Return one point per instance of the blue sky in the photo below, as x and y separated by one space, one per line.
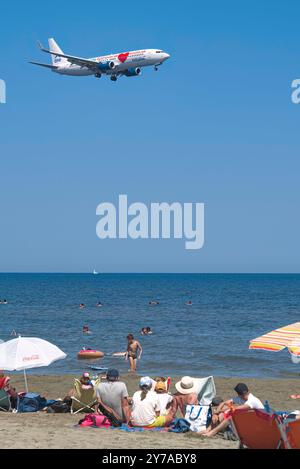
215 124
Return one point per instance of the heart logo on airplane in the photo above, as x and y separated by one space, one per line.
123 57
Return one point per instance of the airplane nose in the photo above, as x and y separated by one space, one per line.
167 56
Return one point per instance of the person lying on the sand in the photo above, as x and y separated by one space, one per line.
146 410
113 395
185 394
224 410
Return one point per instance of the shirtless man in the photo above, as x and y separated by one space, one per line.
133 346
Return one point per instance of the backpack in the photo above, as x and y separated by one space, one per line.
59 407
94 420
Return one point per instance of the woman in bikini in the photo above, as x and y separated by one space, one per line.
133 346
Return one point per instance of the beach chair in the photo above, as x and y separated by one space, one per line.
4 401
83 400
257 429
292 434
205 389
199 416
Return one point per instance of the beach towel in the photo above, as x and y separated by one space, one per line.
129 429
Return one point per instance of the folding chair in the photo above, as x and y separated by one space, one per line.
292 433
83 400
205 389
5 404
257 429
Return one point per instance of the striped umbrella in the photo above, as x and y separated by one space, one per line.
279 339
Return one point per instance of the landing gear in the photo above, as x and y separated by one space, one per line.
155 68
98 75
113 78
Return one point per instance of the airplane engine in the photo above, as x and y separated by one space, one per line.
103 66
133 72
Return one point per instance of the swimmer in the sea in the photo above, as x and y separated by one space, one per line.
86 330
82 305
189 303
154 302
148 331
99 304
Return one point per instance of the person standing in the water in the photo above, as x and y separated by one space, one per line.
134 351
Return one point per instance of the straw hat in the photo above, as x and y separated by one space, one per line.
186 385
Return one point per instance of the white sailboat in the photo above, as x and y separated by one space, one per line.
95 273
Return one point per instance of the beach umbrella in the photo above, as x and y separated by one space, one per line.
24 353
279 339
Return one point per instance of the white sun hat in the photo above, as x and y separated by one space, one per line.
186 385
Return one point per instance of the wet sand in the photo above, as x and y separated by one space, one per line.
42 430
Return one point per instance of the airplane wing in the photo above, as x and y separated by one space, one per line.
53 67
72 59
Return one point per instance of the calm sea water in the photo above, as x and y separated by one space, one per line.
209 337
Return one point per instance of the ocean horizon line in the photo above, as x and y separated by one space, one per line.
142 273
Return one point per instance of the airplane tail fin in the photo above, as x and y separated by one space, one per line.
53 47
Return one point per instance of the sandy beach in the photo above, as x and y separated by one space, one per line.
42 430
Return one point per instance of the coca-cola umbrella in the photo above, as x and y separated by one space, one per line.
24 353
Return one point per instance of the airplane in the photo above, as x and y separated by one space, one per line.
127 64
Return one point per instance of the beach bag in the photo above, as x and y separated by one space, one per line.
59 407
93 420
198 416
31 402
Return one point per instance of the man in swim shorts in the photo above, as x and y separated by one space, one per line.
133 346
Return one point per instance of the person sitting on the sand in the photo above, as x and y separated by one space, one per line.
164 398
85 380
224 410
11 392
146 407
4 380
113 395
186 394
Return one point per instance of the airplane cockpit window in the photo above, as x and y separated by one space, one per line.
159 51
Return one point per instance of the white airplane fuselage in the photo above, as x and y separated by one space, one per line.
122 62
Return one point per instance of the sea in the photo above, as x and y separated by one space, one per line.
209 337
